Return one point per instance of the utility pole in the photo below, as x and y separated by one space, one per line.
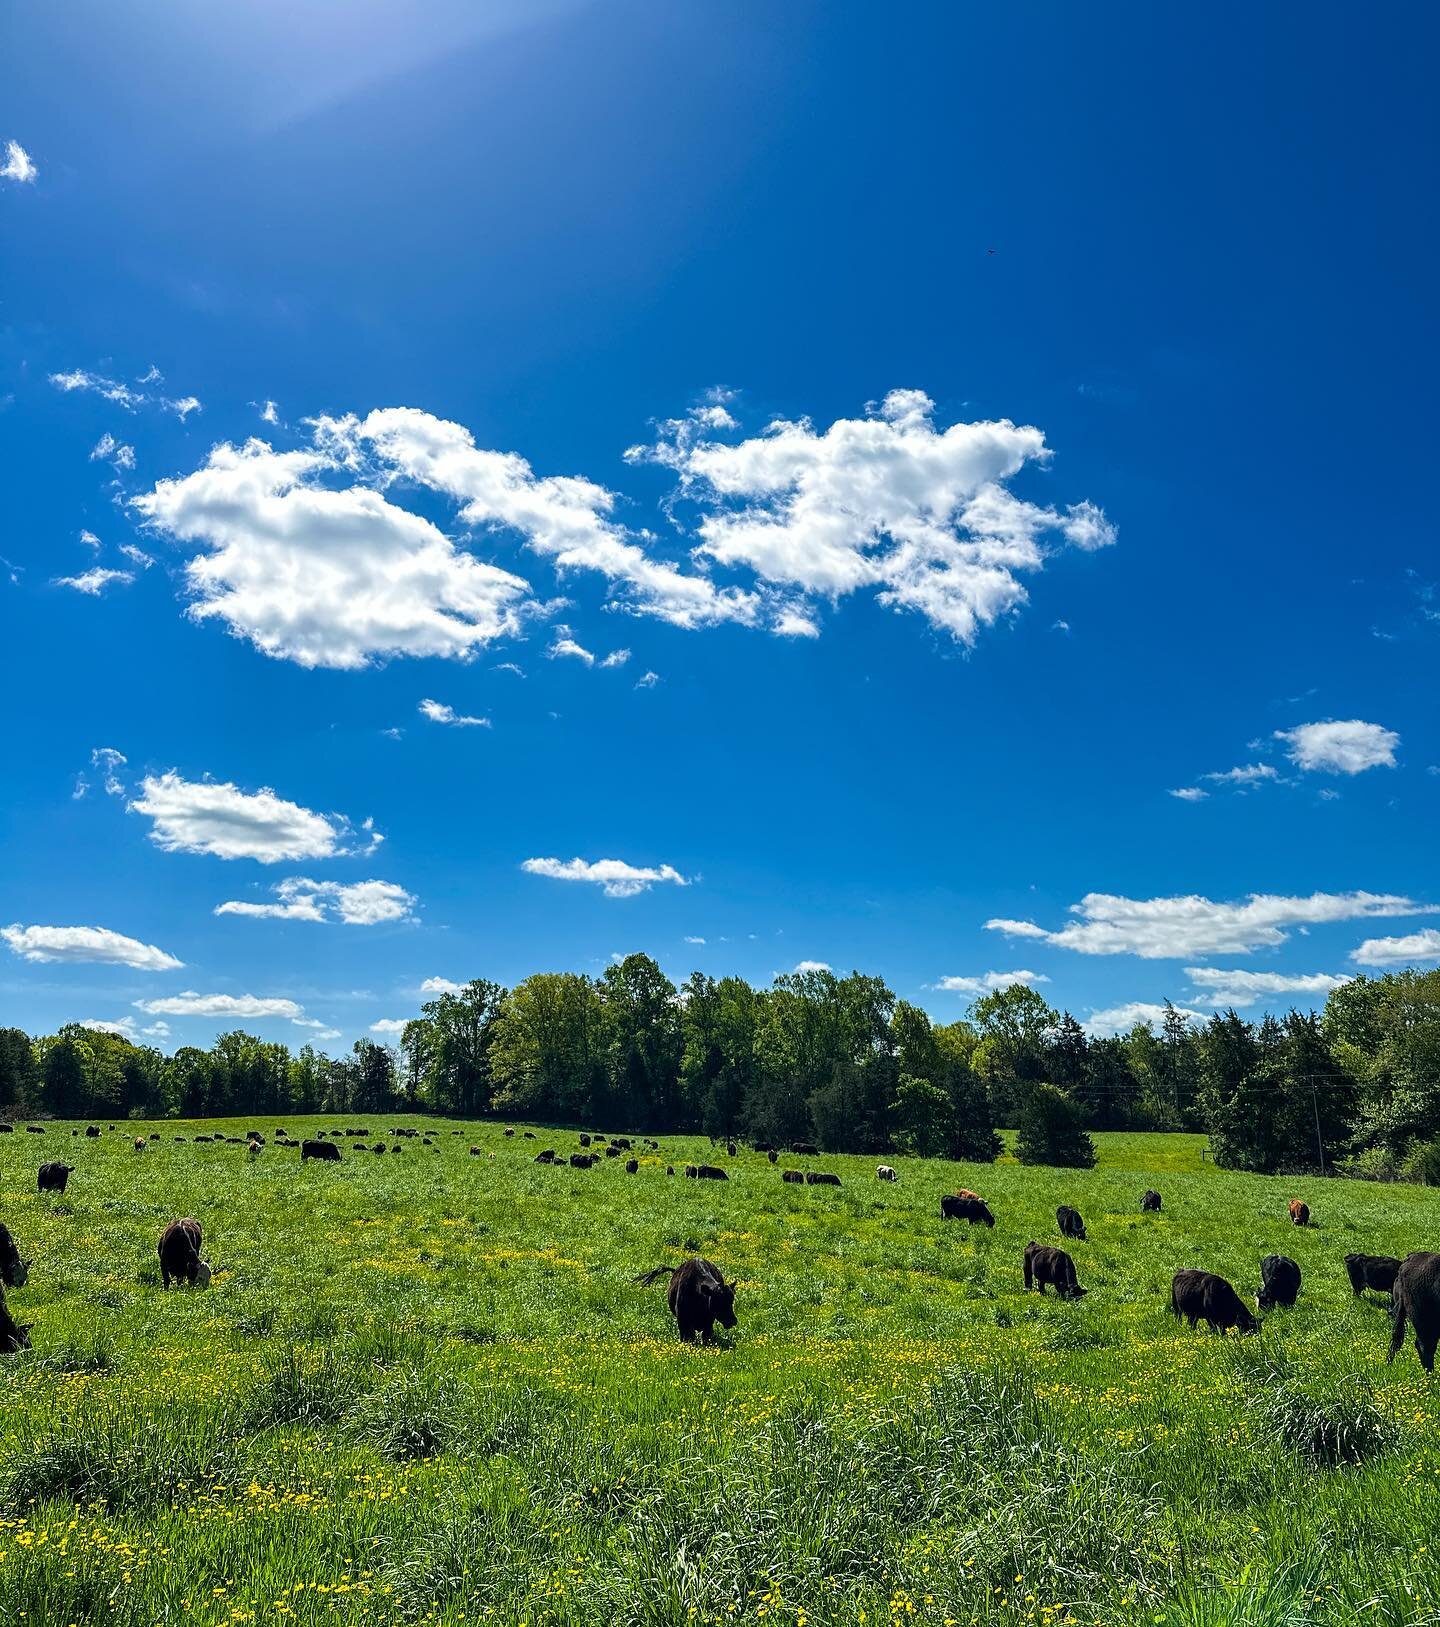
1319 1139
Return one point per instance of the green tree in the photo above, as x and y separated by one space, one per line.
1016 1027
718 1067
19 1071
1052 1130
446 1050
547 1048
643 1044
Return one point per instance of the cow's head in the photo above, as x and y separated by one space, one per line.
1076 1292
1245 1322
18 1338
20 1273
722 1301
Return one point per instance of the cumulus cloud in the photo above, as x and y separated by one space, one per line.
123 395
1246 776
439 712
1190 793
1120 1019
107 449
564 647
137 556
803 966
388 1025
647 680
127 1028
615 877
616 658
988 982
203 816
191 1004
1223 986
18 165
887 503
441 985
109 762
1416 946
353 903
1195 927
94 582
1340 748
87 943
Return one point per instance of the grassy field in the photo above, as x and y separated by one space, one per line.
425 1389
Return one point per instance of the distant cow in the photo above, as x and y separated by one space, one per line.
1375 1271
380 1148
35 1129
699 1297
764 1146
1299 1213
179 1251
139 1143
92 1129
708 1172
1150 1202
692 1171
1417 1297
546 1157
884 1172
730 1148
509 1132
632 1165
1070 1223
14 1272
13 1335
6 1129
582 1160
821 1177
794 1176
253 1148
319 1149
53 1177
1201 1296
1052 1267
965 1192
529 1135
622 1142
772 1155
1279 1282
975 1210
475 1152
803 1149
584 1139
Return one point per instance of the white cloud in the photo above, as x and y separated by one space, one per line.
94 582
1190 793
441 985
1121 1019
614 876
136 555
125 1026
1340 748
18 165
112 451
988 982
1416 946
1248 774
1231 986
564 646
269 412
510 667
109 762
89 539
191 1004
804 966
1195 927
202 816
616 658
888 503
326 578
647 680
439 712
694 940
792 622
322 1031
388 1025
87 943
354 903
123 395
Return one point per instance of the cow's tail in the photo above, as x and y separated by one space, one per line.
648 1279
1397 1338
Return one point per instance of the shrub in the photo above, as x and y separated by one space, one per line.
1052 1131
1422 1163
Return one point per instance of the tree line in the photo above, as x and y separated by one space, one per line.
840 1061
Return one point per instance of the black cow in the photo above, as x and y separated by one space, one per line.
92 1129
584 1139
1201 1296
764 1146
380 1148
692 1170
53 1177
794 1176
632 1165
1279 1282
1417 1297
730 1148
35 1129
1150 1202
772 1155
1376 1271
803 1149
179 1251
13 1335
6 1129
699 1297
582 1160
821 1177
1070 1223
1053 1267
975 1210
708 1172
319 1149
624 1143
14 1272
546 1157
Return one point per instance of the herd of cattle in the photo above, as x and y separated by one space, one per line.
698 1294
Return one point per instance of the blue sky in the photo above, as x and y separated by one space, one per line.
1027 412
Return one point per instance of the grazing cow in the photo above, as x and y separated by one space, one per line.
699 1297
179 1251
884 1172
1299 1213
324 1150
692 1171
965 1192
1070 1223
773 1156
546 1157
253 1148
1053 1267
528 1136
730 1148
509 1132
380 1147
803 1149
669 1169
13 1335
1375 1271
155 1135
140 1143
1279 1282
584 1139
614 1150
1417 1297
254 1135
632 1165
7 1129
1150 1202
1201 1296
764 1146
475 1152
35 1129
794 1176
622 1142
53 1177
92 1129
14 1272
821 1177
975 1210
582 1160
708 1172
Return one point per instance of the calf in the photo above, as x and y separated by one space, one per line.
772 1155
14 1272
794 1176
1201 1296
139 1143
1279 1282
821 1177
475 1153
324 1150
965 1192
1417 1298
1052 1266
1299 1213
884 1172
975 1210
13 1335
1070 1223
53 1177
699 1297
730 1148
1375 1271
179 1251
632 1165
708 1172
1150 1202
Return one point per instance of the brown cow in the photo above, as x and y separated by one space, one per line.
139 1143
1052 1266
179 1251
699 1297
1299 1213
1417 1297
